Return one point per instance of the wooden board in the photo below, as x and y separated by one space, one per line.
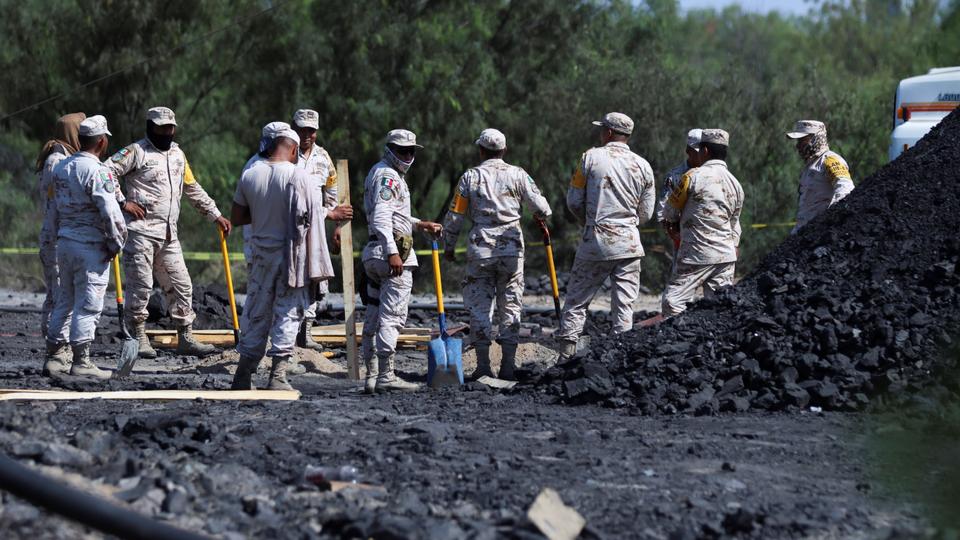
327 335
162 395
349 288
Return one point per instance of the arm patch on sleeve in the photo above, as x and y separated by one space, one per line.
579 181
188 177
679 192
459 204
121 155
836 168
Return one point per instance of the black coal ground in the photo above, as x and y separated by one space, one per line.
860 304
455 464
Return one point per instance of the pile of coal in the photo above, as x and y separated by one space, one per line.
859 304
210 302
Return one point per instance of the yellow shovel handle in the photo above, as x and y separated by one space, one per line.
438 283
553 272
229 274
116 278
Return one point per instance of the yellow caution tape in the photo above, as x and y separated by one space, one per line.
216 256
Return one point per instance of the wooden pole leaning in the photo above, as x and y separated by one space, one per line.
346 258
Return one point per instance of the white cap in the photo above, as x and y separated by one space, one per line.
618 122
492 139
806 127
694 138
162 116
402 137
306 118
273 129
289 133
93 126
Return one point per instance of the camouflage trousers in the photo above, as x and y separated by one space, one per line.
273 309
586 278
385 316
500 279
51 272
687 278
145 258
85 272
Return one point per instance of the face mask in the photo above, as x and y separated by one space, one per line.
816 146
162 142
400 165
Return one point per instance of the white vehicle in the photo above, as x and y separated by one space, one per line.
920 104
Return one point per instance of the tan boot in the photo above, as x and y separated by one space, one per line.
278 374
58 359
305 340
483 362
373 369
188 345
243 378
83 367
388 381
144 349
567 350
508 362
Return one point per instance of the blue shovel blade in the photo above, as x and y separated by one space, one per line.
444 362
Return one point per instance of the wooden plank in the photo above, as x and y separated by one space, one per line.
349 289
163 395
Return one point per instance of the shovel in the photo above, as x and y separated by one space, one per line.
551 267
233 299
444 358
130 351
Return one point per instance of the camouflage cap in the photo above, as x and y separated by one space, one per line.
162 116
492 139
306 118
806 127
402 137
618 122
93 126
715 136
694 138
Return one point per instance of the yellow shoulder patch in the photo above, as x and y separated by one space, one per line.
459 204
332 179
836 168
678 195
188 177
579 181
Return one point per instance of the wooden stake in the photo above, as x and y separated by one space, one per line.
346 257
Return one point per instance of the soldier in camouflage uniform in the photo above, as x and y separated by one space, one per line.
155 175
90 231
316 162
389 260
705 205
825 178
64 143
694 160
612 192
492 196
